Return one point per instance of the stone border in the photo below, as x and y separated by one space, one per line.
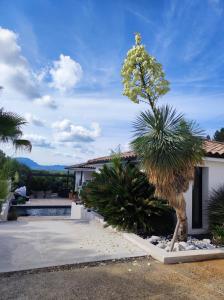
174 257
68 267
160 254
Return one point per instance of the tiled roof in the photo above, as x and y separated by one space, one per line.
212 149
125 155
80 166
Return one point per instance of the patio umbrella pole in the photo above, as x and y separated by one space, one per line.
175 235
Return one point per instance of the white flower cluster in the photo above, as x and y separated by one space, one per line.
143 76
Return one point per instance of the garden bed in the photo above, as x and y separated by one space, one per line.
191 244
160 254
178 256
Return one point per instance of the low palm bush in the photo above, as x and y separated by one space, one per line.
216 214
125 198
218 234
3 191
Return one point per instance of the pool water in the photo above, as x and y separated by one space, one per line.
23 211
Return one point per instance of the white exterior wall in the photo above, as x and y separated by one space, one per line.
212 178
86 175
77 179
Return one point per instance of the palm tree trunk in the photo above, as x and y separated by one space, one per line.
180 208
182 217
182 232
175 235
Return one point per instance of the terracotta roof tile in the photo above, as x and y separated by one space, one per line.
124 155
81 166
212 149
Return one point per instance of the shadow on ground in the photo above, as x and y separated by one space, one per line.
140 279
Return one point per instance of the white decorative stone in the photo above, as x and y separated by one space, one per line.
183 245
207 241
167 248
191 247
209 246
191 244
154 239
161 245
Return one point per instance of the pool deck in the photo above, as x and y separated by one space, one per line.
37 242
48 202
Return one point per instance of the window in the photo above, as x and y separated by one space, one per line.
197 198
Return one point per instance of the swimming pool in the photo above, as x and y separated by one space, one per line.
23 211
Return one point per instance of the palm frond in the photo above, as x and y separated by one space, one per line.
216 207
10 130
22 144
10 125
168 148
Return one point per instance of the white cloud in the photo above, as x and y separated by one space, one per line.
68 132
82 149
38 141
15 72
62 154
62 125
67 158
47 101
65 74
34 120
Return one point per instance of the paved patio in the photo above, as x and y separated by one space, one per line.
34 242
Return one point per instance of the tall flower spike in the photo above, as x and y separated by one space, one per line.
143 77
138 38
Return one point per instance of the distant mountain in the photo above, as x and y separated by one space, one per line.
35 166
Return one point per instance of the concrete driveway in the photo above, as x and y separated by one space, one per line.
41 242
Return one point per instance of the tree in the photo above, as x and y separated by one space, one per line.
18 173
219 135
167 145
10 130
2 158
125 198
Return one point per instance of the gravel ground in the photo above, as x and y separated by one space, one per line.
136 279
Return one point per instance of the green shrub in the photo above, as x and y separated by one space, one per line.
123 196
47 183
21 200
218 234
18 173
3 189
216 207
216 214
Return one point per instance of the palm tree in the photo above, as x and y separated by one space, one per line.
10 130
168 148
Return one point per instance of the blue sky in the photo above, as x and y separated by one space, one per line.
60 67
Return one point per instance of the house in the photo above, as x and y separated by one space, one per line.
208 176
